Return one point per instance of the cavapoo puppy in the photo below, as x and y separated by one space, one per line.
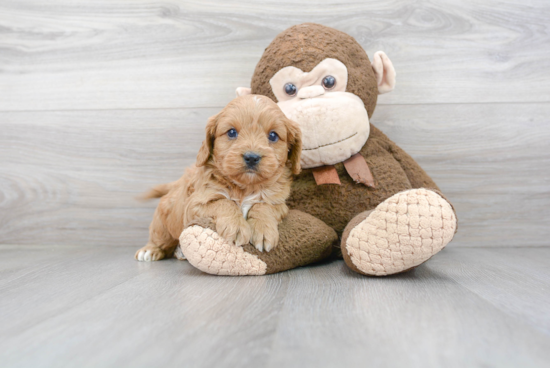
240 181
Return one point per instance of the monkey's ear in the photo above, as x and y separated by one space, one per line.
243 91
207 147
384 71
294 140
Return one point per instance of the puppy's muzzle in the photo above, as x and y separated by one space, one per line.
251 159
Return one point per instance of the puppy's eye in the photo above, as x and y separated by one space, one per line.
273 137
232 133
290 89
329 81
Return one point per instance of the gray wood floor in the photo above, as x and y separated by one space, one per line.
97 307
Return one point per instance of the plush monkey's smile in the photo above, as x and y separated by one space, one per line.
330 144
334 126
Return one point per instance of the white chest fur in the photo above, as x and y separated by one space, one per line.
246 203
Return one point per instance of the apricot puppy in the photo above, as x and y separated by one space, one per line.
240 181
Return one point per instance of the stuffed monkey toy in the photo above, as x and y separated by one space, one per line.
359 195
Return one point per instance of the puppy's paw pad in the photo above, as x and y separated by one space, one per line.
268 246
149 255
243 236
234 229
258 245
265 234
144 255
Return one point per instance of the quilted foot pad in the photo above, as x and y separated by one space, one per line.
211 253
402 232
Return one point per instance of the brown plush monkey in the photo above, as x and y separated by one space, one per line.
357 185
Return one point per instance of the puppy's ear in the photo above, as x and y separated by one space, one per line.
294 140
207 147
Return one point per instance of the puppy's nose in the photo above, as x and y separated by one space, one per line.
251 159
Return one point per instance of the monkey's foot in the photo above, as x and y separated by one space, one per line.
402 232
209 252
303 239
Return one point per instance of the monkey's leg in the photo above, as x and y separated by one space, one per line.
303 239
402 232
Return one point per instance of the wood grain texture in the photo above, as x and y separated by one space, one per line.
492 160
71 177
91 307
115 54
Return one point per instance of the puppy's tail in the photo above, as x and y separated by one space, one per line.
156 192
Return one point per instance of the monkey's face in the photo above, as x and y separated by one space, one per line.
334 123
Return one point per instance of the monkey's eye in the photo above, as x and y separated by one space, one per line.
232 133
273 137
290 89
329 81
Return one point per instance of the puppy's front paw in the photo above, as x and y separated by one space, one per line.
234 229
265 234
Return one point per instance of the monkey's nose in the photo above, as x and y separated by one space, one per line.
251 159
311 91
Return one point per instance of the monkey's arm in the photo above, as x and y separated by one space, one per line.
416 175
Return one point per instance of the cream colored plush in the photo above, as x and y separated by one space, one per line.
211 253
334 123
343 121
303 80
384 72
402 232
